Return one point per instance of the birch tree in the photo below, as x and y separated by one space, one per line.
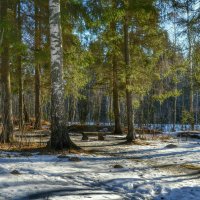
59 135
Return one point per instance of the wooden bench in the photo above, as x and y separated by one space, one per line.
189 134
100 135
36 136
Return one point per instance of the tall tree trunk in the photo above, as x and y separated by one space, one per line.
175 61
116 111
175 113
74 110
5 83
117 129
19 66
197 107
59 135
131 134
104 109
25 112
37 69
189 37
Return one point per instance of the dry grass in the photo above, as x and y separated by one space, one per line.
36 147
93 151
22 147
147 131
135 142
47 123
143 137
140 142
191 166
163 138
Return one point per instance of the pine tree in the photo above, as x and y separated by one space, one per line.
19 65
129 106
5 77
37 67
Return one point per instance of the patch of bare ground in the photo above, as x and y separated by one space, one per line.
35 147
20 147
161 137
96 152
164 138
167 167
135 142
181 169
191 166
174 168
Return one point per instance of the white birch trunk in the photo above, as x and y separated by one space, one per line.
59 134
57 87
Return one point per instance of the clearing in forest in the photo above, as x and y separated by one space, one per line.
108 169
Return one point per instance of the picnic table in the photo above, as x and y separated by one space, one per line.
100 134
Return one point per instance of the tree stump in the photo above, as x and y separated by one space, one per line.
85 137
100 137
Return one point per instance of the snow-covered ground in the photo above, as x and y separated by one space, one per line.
149 172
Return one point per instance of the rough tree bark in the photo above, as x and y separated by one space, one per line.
117 129
59 135
190 48
25 112
131 134
37 70
5 83
19 67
